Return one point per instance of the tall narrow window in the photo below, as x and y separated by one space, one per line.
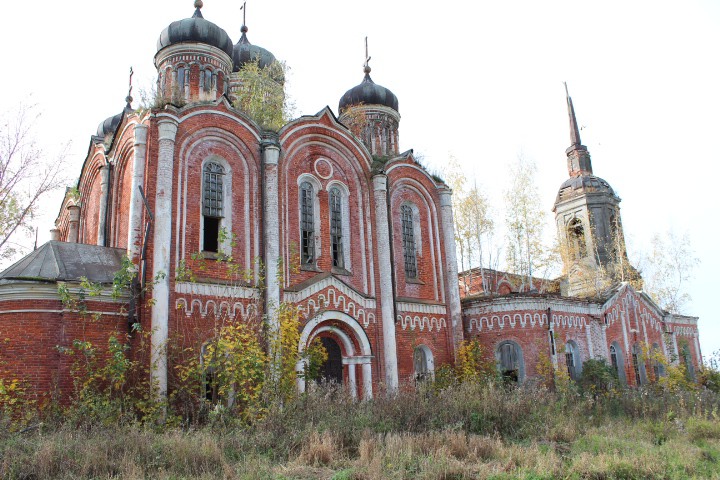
207 80
408 238
636 364
614 359
576 237
307 224
572 360
336 228
212 205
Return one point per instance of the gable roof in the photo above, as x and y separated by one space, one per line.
61 261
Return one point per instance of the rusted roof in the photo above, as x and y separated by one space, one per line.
61 261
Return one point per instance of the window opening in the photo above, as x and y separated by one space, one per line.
570 361
614 359
509 361
336 228
408 238
307 223
420 361
207 83
636 365
212 205
576 234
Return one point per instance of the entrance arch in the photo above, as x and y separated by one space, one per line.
353 343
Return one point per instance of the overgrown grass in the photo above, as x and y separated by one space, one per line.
464 431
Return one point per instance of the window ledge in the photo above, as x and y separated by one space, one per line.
341 271
415 281
309 267
214 256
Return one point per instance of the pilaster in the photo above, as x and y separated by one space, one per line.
452 290
387 299
167 129
136 204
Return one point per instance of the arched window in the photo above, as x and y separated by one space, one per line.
307 223
576 239
336 230
212 205
638 365
686 360
423 363
572 360
617 361
408 239
657 364
183 76
207 80
510 361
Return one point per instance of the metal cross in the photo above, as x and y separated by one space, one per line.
243 10
367 56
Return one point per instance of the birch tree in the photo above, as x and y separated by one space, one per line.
27 174
670 266
525 220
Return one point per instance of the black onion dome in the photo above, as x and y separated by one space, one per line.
244 52
110 124
197 30
369 93
582 184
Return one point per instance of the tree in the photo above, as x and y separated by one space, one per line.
474 227
525 220
26 175
262 94
669 268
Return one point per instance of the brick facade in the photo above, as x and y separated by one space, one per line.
378 310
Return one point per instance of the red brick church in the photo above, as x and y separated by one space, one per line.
371 230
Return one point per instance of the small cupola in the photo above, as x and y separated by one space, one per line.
371 112
194 59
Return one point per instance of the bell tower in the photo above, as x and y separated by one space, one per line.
587 215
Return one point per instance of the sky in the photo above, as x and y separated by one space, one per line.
479 81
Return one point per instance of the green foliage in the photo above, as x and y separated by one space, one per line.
473 364
598 377
262 95
709 378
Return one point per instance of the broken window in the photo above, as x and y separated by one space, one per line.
576 239
212 205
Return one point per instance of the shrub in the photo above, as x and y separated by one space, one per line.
598 377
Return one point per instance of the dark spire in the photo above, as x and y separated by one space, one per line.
578 156
244 28
574 131
366 66
129 98
198 5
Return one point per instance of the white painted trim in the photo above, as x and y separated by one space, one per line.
216 290
421 308
334 282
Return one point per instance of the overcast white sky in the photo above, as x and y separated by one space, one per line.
479 80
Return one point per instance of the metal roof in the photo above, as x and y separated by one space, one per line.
61 261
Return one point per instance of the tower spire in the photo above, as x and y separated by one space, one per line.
574 130
578 157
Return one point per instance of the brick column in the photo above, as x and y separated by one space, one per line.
135 229
162 239
387 297
452 288
73 223
271 225
54 234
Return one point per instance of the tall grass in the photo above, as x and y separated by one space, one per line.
464 431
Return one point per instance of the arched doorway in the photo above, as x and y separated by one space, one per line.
349 355
332 369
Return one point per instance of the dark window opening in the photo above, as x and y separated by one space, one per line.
211 232
336 228
614 359
509 362
576 238
207 80
636 365
212 205
307 224
408 239
420 362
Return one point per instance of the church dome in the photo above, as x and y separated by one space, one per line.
110 124
244 52
368 93
196 30
583 184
